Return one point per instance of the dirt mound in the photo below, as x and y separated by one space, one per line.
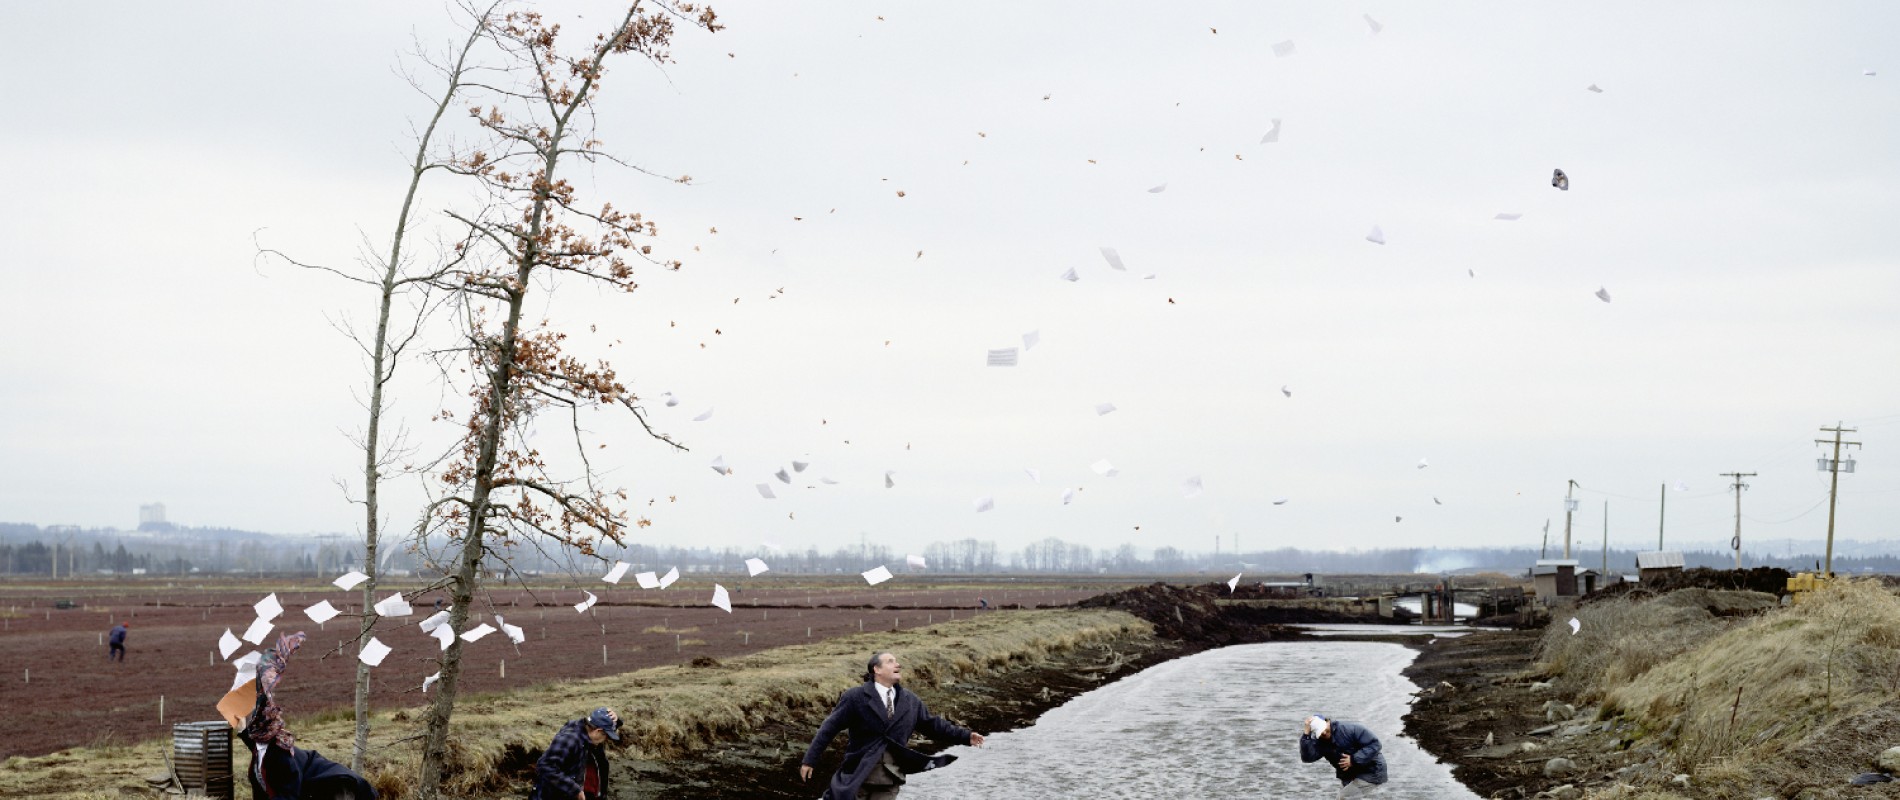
1189 614
1768 580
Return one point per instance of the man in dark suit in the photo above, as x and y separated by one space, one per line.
879 717
1351 750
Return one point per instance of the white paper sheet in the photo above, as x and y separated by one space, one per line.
720 600
1286 390
1104 409
799 466
1279 501
783 476
583 605
429 680
765 491
648 580
1191 487
671 401
321 612
1373 24
888 483
984 504
374 651
259 629
1071 276
394 606
1034 475
349 580
1031 339
1376 236
754 566
1273 134
436 620
704 415
1105 469
1603 294
1423 464
619 571
1283 49
269 608
877 575
1575 626
475 634
1068 496
917 561
1005 357
1234 583
515 634
1114 259
827 481
1509 216
719 465
444 636
670 576
1594 88
1158 189
228 644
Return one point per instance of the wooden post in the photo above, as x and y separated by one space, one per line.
161 709
504 668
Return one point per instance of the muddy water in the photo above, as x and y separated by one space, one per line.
1220 724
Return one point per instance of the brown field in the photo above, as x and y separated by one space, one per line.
59 690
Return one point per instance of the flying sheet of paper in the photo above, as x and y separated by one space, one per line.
1273 134
1031 339
228 644
619 571
670 576
719 465
1867 72
1104 469
349 580
248 664
1575 626
444 636
1283 49
1068 495
429 680
1071 276
1422 464
754 566
475 634
1114 258
1373 24
436 620
1509 216
1376 236
1437 502
799 466
720 600
1005 357
1191 487
671 401
984 504
1603 294
321 612
1233 584
1034 475
259 629
704 415
1148 277
1594 88
783 476
1681 487
1158 189
583 605
888 483
1104 409
246 676
877 575
374 651
765 491
394 606
269 608
648 580
1279 501
1559 179
1285 390
916 561
515 634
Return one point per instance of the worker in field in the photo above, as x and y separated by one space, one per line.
1351 750
115 643
879 717
575 763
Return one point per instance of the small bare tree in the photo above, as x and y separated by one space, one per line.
389 278
500 489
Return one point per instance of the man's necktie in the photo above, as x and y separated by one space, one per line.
890 707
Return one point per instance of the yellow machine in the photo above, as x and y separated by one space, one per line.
1804 583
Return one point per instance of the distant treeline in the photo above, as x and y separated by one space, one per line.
29 550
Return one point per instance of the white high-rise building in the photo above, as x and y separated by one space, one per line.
151 513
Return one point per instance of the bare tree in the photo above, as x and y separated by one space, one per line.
501 490
389 278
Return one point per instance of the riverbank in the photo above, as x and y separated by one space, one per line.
1694 693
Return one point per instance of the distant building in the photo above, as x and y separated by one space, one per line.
1555 579
1657 563
152 517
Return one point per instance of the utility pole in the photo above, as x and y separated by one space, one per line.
1569 506
1736 543
1606 542
1545 552
1833 465
1662 515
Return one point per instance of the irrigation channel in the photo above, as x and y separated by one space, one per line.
1223 724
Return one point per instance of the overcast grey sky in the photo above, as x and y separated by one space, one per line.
1733 188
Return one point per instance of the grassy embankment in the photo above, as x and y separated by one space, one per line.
1791 702
668 712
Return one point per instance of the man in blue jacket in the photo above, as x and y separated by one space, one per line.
575 763
1351 750
115 645
879 717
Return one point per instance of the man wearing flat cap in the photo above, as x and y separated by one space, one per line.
575 764
880 717
1351 750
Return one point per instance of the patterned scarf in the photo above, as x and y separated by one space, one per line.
269 727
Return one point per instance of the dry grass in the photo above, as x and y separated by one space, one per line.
1619 641
669 712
